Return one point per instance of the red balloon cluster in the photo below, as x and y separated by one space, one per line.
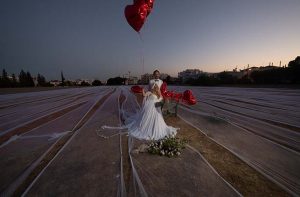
137 13
186 97
168 94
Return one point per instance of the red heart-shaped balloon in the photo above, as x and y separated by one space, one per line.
136 15
137 89
148 2
189 98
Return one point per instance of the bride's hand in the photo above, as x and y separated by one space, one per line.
143 91
159 93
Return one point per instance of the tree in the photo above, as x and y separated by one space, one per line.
273 76
25 79
84 83
62 79
294 70
5 82
69 83
116 81
30 82
14 82
96 83
22 79
1 82
4 74
207 80
244 80
226 78
41 80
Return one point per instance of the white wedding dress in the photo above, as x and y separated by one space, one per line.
148 123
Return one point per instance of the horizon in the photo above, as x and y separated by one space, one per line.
91 39
34 75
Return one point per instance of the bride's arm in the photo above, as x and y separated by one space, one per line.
160 97
159 93
145 93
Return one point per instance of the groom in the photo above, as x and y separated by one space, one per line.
158 82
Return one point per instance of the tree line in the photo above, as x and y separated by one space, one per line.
25 79
116 81
276 75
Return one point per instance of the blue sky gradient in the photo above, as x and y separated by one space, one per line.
91 39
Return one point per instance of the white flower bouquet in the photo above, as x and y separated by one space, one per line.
169 146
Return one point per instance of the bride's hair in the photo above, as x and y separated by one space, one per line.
155 90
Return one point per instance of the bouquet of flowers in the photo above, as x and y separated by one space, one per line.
169 146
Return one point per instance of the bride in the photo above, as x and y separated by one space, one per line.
148 123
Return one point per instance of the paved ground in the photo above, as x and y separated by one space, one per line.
89 165
259 125
47 153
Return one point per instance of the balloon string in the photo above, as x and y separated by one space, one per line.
142 53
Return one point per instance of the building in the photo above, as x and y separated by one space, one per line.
267 68
247 72
235 74
131 80
55 82
10 77
80 81
145 78
163 76
189 74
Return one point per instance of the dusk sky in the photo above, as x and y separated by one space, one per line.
92 39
